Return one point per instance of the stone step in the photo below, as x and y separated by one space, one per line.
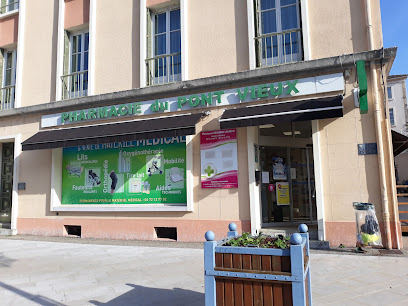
5 225
288 232
6 232
314 243
319 244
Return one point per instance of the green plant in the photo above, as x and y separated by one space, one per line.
282 243
260 240
244 240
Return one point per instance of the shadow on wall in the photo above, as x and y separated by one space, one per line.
53 91
135 45
358 26
241 34
141 295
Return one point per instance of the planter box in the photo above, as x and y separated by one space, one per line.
257 276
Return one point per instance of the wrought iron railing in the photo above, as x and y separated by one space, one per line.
74 85
9 7
7 97
278 48
163 69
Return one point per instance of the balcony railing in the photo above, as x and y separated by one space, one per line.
278 48
74 85
9 7
163 69
7 96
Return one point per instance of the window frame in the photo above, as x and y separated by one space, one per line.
82 92
71 38
390 91
176 76
281 57
16 5
5 10
3 93
391 110
13 67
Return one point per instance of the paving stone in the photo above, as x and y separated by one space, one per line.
58 273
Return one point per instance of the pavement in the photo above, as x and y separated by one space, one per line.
72 271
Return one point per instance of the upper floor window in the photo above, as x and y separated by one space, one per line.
389 93
8 6
278 32
392 118
75 82
164 58
8 79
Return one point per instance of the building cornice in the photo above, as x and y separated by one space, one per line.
270 74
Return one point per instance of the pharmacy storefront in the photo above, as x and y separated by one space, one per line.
172 167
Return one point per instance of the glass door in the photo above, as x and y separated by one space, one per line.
287 185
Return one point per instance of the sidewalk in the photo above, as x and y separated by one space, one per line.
60 273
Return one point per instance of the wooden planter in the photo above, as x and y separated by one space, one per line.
257 276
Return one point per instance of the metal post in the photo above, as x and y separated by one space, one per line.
209 265
297 268
232 230
303 229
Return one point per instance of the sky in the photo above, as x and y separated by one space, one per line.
394 16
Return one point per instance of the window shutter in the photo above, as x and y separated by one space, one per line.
149 34
65 80
1 68
258 47
149 64
3 6
66 53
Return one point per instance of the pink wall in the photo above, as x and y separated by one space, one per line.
8 30
76 13
345 233
128 229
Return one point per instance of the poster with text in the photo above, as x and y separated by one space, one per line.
219 161
149 171
282 193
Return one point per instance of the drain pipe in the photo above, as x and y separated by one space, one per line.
377 118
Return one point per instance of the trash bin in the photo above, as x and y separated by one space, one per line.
368 229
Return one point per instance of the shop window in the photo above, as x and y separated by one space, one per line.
389 93
76 60
163 47
392 118
8 61
278 32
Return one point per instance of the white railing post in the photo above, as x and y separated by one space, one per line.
73 85
209 265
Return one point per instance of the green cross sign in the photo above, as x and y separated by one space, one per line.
209 171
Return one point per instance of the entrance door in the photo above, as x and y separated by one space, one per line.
288 185
7 164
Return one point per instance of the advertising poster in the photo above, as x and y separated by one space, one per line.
279 169
219 161
149 171
282 193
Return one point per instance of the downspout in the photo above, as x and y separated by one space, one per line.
377 118
391 173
